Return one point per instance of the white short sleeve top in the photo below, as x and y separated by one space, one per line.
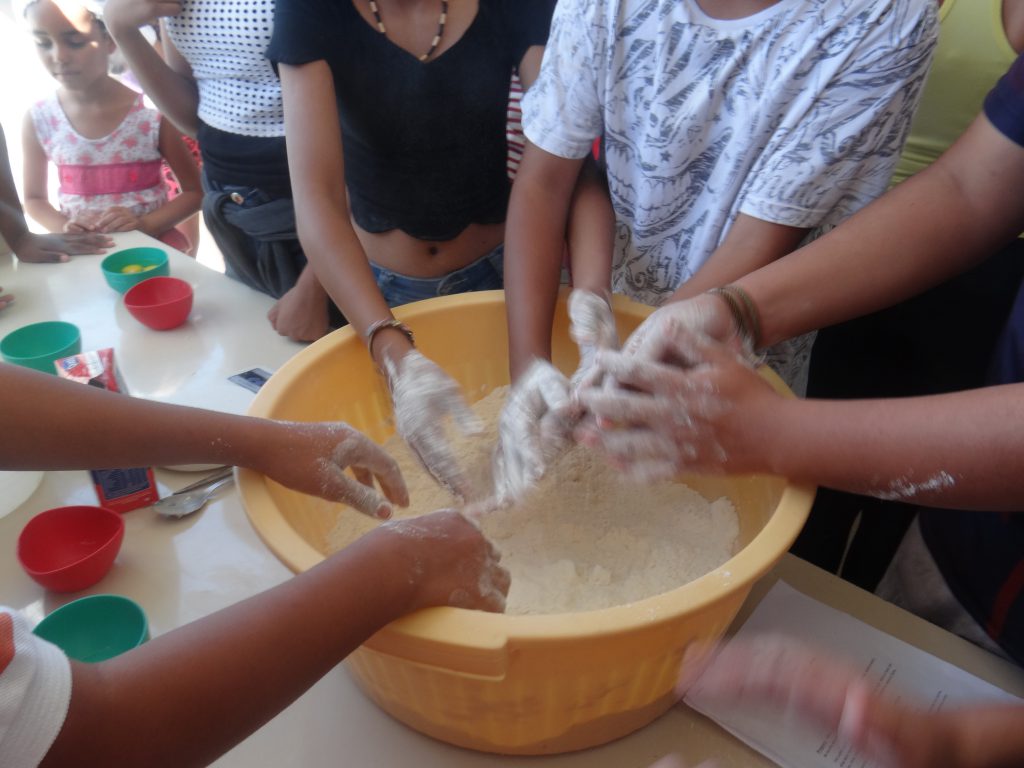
224 42
35 691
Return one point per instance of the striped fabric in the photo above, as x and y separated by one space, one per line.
514 126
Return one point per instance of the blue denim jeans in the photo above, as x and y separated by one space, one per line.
484 274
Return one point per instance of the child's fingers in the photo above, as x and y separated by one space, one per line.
117 223
368 459
86 242
360 497
623 406
464 416
640 373
783 672
430 446
363 476
393 486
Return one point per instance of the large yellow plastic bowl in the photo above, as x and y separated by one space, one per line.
509 684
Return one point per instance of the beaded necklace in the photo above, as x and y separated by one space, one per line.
433 43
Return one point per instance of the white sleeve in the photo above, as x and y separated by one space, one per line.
562 109
837 145
35 691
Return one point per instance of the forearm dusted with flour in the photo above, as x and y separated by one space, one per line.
707 410
64 425
247 662
959 450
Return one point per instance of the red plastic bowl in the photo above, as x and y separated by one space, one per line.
160 303
70 548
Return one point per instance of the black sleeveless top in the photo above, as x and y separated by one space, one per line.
424 143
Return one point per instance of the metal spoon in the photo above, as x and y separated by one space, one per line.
193 497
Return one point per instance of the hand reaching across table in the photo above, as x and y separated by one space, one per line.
34 248
708 314
97 429
313 457
784 673
249 660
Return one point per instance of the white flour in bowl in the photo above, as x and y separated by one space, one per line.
585 537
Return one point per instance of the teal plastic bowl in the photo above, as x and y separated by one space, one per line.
96 628
142 263
41 344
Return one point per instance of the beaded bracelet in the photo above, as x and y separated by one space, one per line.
380 325
744 313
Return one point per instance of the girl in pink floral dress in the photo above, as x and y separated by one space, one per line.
106 144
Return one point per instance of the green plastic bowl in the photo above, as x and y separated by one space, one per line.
151 262
41 344
96 628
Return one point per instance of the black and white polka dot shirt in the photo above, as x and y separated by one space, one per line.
224 42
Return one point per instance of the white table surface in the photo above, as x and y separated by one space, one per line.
226 333
180 570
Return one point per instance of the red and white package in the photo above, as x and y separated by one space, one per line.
118 489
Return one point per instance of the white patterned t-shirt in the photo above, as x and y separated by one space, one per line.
795 115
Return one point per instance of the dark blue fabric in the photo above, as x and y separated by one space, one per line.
425 146
981 554
1004 105
246 161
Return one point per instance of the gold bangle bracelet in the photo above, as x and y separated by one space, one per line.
380 325
752 314
744 313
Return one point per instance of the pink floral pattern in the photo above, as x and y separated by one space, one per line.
135 140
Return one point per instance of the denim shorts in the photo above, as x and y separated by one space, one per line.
484 274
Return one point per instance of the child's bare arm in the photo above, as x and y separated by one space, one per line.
534 241
173 212
35 171
188 696
750 244
694 405
167 81
32 247
591 231
939 223
12 217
